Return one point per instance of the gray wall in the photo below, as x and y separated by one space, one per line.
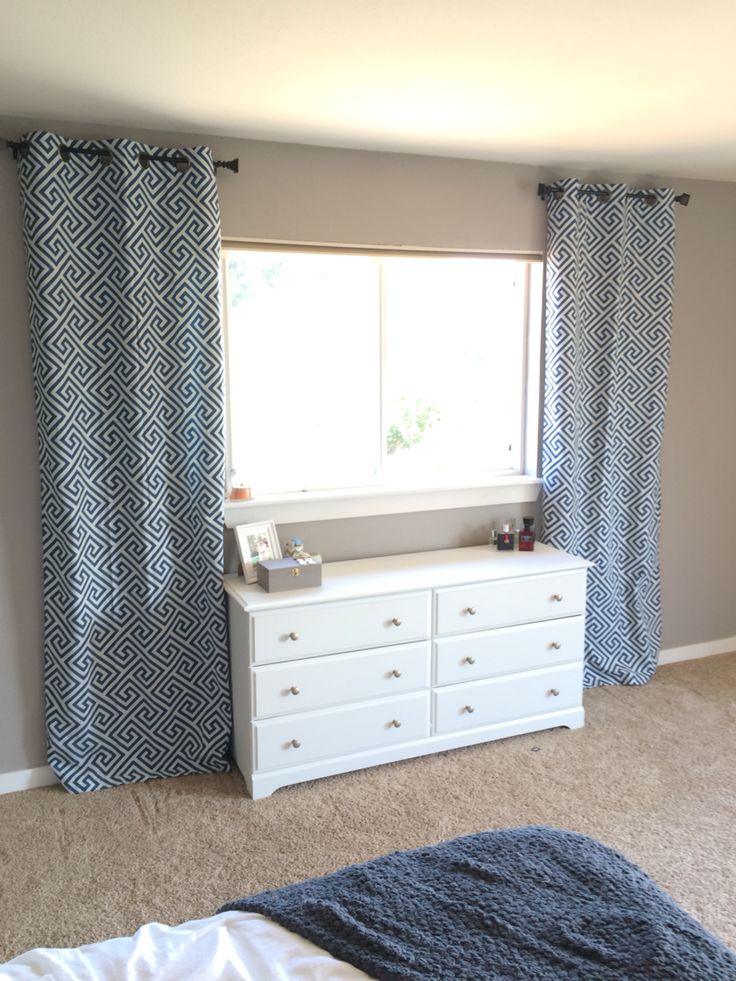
699 455
22 738
311 194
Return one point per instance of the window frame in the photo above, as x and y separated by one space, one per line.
464 490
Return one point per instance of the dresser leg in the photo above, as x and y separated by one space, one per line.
578 721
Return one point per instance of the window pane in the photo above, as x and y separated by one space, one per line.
453 366
304 369
349 371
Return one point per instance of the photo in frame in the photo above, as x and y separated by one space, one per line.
256 543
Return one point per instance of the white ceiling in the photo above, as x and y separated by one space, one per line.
645 86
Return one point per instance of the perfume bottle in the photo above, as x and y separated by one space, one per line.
527 536
505 537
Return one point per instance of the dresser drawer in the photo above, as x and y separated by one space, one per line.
508 650
338 732
499 604
484 703
303 631
299 686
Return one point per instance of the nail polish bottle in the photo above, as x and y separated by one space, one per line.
527 536
505 537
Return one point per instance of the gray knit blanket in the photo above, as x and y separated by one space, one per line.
524 903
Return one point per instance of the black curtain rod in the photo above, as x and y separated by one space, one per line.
544 189
104 155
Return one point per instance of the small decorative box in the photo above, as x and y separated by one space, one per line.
276 574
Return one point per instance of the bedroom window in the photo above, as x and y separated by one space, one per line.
362 370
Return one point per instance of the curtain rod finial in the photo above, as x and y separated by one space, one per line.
233 164
20 149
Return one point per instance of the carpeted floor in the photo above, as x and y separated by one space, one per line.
653 773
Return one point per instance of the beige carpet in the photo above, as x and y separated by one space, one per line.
653 773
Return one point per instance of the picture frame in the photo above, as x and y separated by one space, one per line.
256 542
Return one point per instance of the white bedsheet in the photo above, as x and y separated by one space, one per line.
225 947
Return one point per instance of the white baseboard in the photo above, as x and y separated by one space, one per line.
38 776
693 651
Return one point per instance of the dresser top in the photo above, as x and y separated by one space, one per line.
407 573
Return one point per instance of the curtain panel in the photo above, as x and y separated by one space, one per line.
123 281
609 276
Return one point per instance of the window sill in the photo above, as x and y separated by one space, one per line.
360 503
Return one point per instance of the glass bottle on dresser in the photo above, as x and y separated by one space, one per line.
505 537
527 536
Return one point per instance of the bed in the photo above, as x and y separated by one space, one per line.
522 903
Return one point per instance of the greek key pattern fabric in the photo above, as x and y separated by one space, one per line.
609 275
123 282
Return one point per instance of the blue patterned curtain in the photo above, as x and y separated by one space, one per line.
123 270
610 260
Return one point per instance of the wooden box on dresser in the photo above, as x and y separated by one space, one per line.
401 656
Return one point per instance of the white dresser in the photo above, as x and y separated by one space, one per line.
401 656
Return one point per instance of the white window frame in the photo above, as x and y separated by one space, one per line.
462 491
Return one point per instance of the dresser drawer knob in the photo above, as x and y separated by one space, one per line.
557 597
469 709
295 689
555 645
554 692
293 635
396 673
471 610
296 743
396 723
469 659
396 621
